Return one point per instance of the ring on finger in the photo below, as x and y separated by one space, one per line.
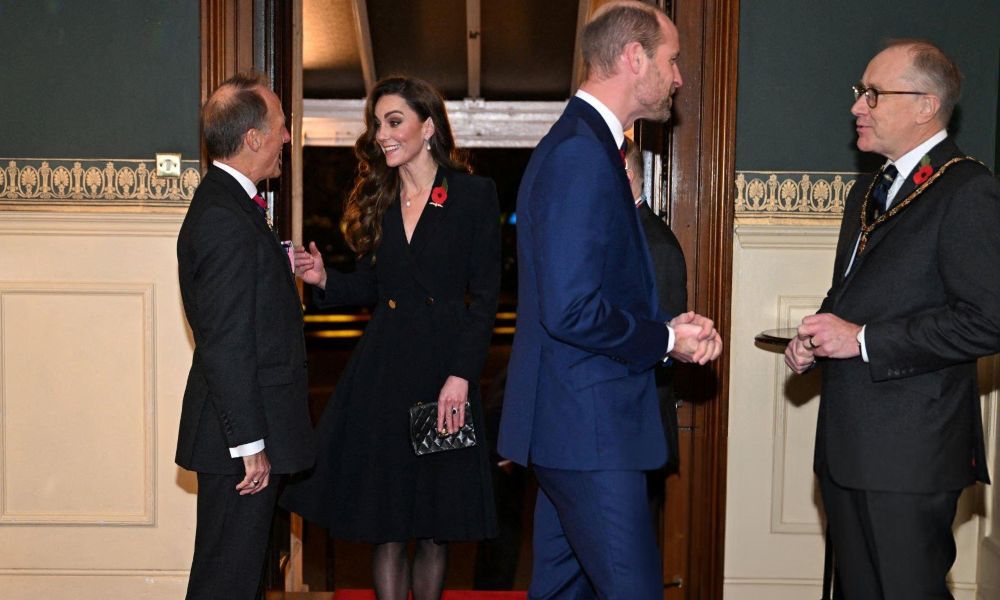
254 481
454 411
811 346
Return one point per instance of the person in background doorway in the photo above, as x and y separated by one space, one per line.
670 271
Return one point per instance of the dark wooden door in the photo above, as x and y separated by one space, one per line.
696 150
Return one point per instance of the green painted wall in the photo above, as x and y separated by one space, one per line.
799 58
99 79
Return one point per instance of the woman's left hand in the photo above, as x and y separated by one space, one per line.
451 404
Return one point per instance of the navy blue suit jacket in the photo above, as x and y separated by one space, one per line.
580 387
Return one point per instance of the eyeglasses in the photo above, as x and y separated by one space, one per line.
871 94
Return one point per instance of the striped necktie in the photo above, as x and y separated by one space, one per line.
880 193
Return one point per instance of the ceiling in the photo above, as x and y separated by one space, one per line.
511 50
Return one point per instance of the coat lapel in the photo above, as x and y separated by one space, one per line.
432 216
239 196
593 119
428 225
939 155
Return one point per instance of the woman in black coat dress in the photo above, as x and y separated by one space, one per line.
427 234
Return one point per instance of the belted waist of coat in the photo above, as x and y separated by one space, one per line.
409 301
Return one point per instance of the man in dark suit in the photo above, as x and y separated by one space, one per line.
671 284
915 301
245 418
580 403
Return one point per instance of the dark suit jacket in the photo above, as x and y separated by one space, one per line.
580 391
928 288
671 282
248 374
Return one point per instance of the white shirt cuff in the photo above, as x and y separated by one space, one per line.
861 341
670 343
246 449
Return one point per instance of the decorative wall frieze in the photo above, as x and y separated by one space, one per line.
792 193
93 182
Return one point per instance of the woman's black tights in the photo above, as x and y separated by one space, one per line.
391 569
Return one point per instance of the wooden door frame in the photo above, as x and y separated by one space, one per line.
700 174
239 36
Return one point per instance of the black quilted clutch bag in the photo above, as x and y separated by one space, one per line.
424 434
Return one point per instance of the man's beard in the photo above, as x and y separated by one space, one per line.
660 109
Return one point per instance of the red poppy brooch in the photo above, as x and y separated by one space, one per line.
924 171
440 194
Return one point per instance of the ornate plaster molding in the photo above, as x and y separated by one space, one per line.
792 193
114 182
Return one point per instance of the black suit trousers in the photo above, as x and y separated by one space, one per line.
231 539
890 545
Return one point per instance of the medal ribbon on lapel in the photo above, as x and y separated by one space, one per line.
897 207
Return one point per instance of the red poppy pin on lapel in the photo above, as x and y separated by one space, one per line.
440 194
924 172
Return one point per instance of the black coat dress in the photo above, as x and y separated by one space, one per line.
434 303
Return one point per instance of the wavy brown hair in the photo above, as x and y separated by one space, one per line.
377 184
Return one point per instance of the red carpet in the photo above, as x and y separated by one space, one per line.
448 595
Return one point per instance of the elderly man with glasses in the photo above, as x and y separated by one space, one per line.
915 300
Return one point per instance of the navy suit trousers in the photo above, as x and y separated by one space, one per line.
593 537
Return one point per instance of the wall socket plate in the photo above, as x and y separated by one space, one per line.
168 164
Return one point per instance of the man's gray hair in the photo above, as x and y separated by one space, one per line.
934 73
235 108
614 26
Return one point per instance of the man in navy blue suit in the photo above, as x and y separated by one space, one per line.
581 403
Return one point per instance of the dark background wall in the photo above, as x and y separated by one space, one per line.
799 59
99 79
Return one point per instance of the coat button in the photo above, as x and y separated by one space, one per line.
429 300
392 303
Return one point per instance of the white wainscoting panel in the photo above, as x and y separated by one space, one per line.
94 353
988 571
77 359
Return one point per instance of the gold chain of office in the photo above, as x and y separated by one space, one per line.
868 228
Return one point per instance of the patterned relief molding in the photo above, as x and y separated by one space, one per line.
792 193
29 182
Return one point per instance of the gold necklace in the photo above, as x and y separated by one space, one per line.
420 193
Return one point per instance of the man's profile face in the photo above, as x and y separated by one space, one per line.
273 137
891 128
655 90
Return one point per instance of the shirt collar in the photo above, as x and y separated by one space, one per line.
248 186
609 117
909 161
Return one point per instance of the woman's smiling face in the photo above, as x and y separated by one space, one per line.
400 132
